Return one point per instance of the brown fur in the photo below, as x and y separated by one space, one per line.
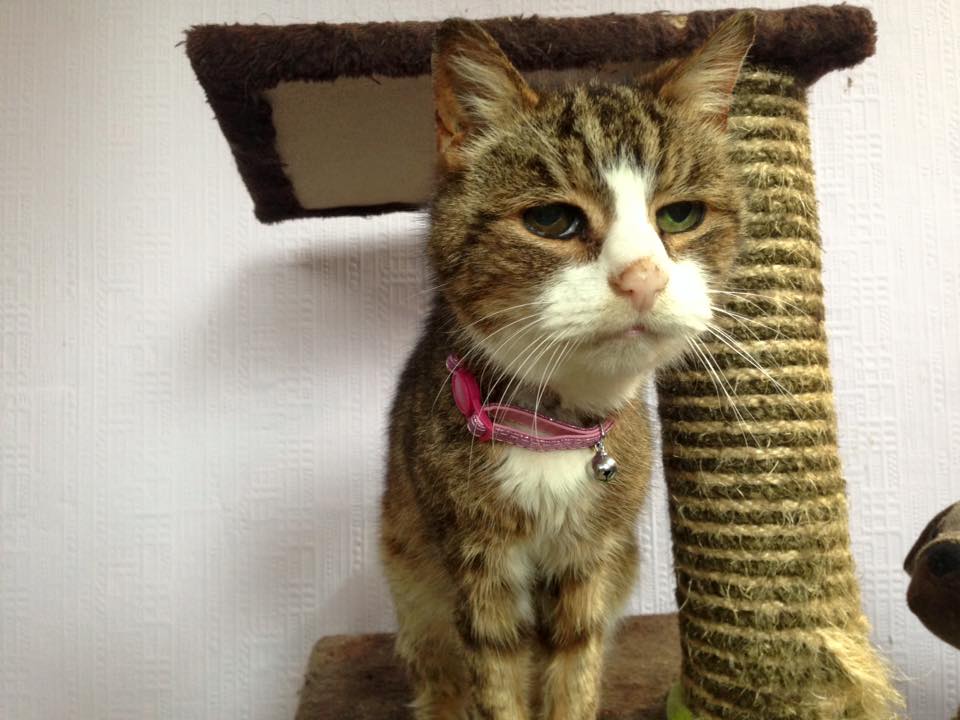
479 639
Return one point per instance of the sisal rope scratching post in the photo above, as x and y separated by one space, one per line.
770 617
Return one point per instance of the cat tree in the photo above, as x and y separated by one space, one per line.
337 119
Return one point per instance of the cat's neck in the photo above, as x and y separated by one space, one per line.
574 390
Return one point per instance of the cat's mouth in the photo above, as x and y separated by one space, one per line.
638 330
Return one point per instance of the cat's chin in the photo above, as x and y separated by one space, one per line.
640 342
607 375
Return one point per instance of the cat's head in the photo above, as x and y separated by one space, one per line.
577 233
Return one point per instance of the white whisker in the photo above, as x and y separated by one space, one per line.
711 362
727 340
532 318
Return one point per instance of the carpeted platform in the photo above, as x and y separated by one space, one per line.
356 677
338 119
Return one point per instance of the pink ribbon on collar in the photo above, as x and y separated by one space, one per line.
485 421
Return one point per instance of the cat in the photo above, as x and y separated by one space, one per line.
576 237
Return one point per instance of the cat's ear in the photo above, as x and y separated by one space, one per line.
474 85
705 79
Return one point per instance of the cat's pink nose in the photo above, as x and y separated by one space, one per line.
642 282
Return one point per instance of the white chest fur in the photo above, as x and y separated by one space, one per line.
557 489
553 487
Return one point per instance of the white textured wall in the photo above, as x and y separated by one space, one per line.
191 404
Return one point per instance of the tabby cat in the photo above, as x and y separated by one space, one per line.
577 235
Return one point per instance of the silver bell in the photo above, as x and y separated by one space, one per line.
604 466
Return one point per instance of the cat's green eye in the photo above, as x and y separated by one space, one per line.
680 217
558 221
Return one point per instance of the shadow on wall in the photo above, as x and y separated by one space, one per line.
294 365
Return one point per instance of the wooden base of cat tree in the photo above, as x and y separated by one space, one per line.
357 677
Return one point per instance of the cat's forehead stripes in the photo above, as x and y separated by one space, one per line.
597 126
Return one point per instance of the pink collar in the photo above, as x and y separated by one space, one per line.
485 421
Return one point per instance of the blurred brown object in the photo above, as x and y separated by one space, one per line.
934 567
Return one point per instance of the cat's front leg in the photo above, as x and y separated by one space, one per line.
572 680
574 626
495 619
578 607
